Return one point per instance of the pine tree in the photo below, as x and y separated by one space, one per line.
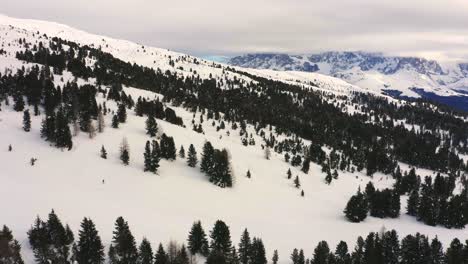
63 136
155 156
145 253
89 248
122 113
168 149
295 256
182 152
123 243
437 252
257 252
390 247
101 122
220 241
297 183
321 253
328 178
306 165
48 127
103 152
182 256
197 242
342 254
10 249
245 248
19 102
248 175
147 157
192 156
357 256
115 122
26 121
151 126
275 257
124 152
301 258
207 161
455 252
289 174
357 208
413 202
161 256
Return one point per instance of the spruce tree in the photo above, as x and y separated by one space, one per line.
207 161
295 256
321 253
122 113
19 102
245 248
257 252
390 247
342 254
221 244
289 174
192 156
306 165
328 178
147 157
115 122
197 242
123 244
275 257
161 256
437 252
10 249
248 175
155 156
124 152
103 152
89 248
182 256
145 253
63 136
151 126
455 252
297 183
182 152
357 208
48 127
26 121
413 202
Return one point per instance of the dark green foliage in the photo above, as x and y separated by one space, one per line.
275 257
413 202
50 241
103 152
357 208
10 249
245 248
115 121
197 242
321 253
151 126
26 121
220 246
89 248
48 127
123 245
384 203
161 256
122 113
342 255
167 146
297 182
207 161
182 152
145 253
63 138
192 156
257 252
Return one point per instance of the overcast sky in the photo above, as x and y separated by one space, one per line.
430 28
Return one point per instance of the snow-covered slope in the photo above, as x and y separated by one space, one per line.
371 71
162 207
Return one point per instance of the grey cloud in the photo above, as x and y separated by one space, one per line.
202 27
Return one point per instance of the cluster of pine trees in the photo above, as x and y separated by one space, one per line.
369 139
52 242
216 165
380 203
386 247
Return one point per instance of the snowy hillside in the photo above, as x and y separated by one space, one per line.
372 71
162 207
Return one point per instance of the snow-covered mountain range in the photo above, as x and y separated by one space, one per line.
78 183
397 76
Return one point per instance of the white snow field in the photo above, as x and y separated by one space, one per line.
164 206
